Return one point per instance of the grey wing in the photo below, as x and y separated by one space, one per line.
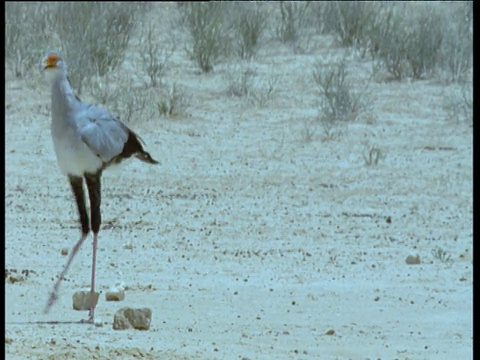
101 132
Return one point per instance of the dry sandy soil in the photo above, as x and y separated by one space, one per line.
252 240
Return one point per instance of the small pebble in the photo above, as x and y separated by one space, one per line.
116 293
128 318
413 260
12 279
64 251
81 300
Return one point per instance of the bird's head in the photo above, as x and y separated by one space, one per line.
53 65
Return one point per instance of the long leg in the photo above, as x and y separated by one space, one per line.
94 192
76 183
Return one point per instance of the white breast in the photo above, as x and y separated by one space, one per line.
73 156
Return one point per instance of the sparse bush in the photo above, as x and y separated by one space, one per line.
171 102
143 103
467 96
28 29
133 105
328 124
293 20
385 25
388 42
91 36
155 56
338 101
414 41
405 47
320 16
104 90
457 46
210 36
240 81
265 90
350 20
372 155
458 102
244 82
393 61
307 133
116 92
94 36
249 25
440 254
423 44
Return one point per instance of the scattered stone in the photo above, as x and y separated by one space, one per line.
413 260
128 246
81 300
12 279
64 251
116 293
27 272
13 275
330 332
8 272
98 322
128 318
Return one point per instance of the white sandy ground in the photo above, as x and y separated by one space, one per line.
248 241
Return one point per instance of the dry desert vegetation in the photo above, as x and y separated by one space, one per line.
314 198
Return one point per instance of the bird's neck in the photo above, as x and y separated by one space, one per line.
63 97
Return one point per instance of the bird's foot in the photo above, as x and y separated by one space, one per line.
87 321
91 317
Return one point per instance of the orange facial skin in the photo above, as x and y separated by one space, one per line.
51 61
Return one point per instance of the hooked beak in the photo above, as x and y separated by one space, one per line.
48 65
51 61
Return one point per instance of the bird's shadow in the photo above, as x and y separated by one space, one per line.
52 322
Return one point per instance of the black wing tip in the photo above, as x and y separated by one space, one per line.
146 157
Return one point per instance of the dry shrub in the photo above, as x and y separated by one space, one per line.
210 33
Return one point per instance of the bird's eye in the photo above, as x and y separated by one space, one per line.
53 59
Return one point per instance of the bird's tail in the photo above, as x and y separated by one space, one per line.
146 157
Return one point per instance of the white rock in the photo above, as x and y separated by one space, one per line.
115 294
81 300
128 318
